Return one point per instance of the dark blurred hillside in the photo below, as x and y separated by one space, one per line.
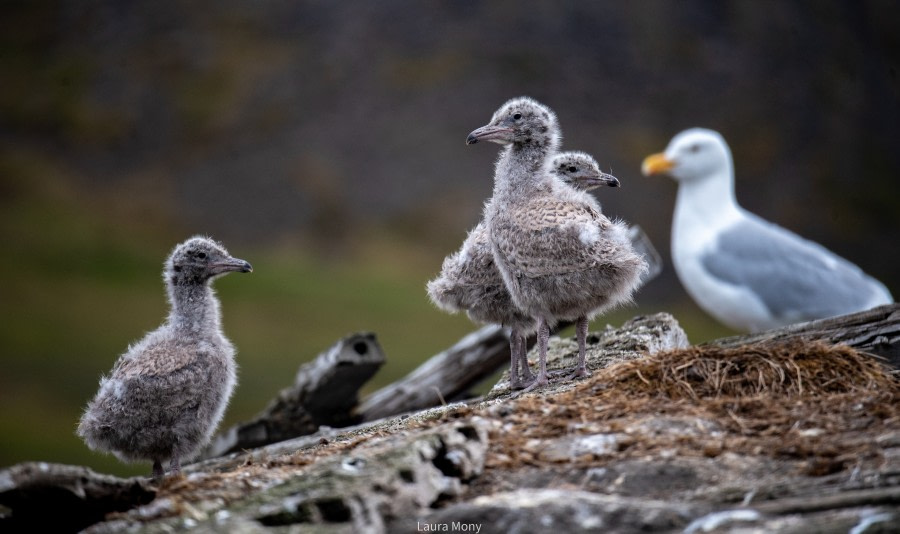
267 119
327 140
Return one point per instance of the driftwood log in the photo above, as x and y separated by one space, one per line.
443 377
324 393
446 376
41 495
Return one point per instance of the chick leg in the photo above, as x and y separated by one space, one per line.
515 381
524 369
175 465
581 328
543 339
158 473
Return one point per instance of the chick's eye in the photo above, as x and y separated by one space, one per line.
517 116
201 255
572 169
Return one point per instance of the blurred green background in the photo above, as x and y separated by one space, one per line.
324 143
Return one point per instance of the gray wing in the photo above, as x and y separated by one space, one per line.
143 414
170 383
465 274
641 243
795 278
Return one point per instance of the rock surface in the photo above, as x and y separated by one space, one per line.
635 338
789 437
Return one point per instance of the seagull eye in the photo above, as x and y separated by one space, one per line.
695 148
572 169
517 116
201 255
177 268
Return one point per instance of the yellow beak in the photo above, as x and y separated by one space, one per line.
656 164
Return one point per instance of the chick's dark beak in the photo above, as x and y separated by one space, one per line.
592 182
497 134
230 265
608 180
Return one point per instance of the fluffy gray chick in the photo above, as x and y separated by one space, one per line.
167 393
470 281
560 257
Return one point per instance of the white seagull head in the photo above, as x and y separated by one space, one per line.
693 154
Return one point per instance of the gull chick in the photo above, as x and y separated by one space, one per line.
165 396
559 256
470 281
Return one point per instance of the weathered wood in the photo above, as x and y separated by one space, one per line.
396 474
876 331
637 464
324 393
844 499
364 490
565 510
47 497
443 377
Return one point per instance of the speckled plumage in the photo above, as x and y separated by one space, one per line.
165 396
560 257
470 281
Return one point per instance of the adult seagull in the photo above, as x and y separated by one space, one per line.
746 272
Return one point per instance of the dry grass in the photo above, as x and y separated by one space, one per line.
776 370
809 401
